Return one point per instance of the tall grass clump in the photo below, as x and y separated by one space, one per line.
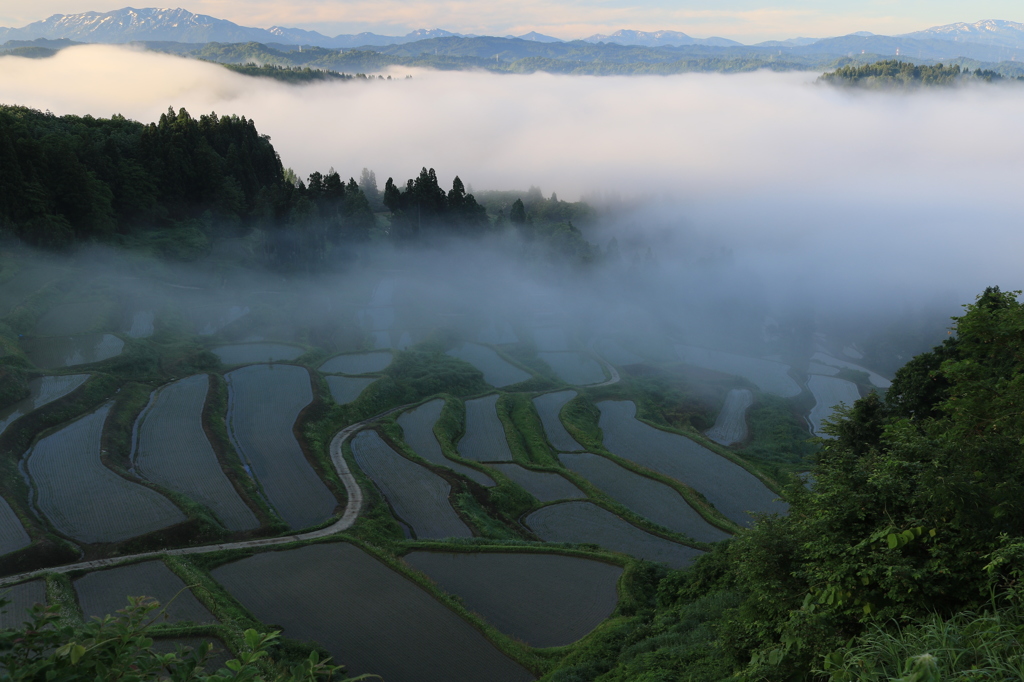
970 645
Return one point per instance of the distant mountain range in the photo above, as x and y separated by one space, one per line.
179 25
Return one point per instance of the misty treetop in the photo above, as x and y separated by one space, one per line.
893 73
422 207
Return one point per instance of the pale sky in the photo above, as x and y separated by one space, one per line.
743 20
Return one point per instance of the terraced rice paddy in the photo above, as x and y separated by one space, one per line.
544 600
732 489
550 339
497 372
829 392
248 353
12 534
548 407
141 326
418 431
651 499
346 389
497 334
84 499
484 440
357 363
69 351
172 450
546 487
103 592
370 618
21 597
731 425
617 355
585 522
574 368
876 379
768 376
418 496
42 391
263 403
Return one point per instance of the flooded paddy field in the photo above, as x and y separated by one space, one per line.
12 534
767 375
544 600
42 391
484 440
647 497
401 633
84 499
733 490
346 389
585 522
172 450
107 591
418 496
545 486
248 353
418 431
828 393
731 424
22 597
357 363
498 372
263 403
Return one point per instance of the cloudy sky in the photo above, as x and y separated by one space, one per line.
743 20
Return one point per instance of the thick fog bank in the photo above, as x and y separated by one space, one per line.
804 197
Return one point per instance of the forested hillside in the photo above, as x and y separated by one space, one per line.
904 560
176 184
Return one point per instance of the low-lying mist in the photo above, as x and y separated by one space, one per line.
759 196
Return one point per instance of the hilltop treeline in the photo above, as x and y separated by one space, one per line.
905 561
176 184
892 73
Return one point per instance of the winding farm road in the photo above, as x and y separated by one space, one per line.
348 517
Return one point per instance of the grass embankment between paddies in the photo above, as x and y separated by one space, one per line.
357 363
549 407
582 418
264 404
172 450
38 392
418 433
